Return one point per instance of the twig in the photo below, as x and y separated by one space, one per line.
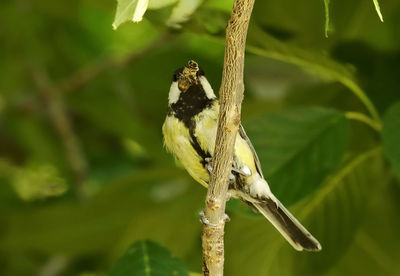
365 119
91 71
61 122
231 96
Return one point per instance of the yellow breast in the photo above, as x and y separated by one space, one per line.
178 141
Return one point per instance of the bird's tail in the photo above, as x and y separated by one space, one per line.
287 224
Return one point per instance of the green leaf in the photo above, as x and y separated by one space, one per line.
374 250
38 181
145 258
378 9
391 136
333 216
262 44
367 257
326 6
298 148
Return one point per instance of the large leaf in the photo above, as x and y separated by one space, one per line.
263 44
145 258
298 148
367 257
391 136
333 215
375 250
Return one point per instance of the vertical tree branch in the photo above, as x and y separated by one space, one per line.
231 96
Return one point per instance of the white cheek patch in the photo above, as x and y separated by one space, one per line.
174 93
207 87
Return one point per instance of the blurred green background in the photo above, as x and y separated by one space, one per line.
83 171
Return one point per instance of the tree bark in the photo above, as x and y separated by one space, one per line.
231 96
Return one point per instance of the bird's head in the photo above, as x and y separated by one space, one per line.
189 78
188 75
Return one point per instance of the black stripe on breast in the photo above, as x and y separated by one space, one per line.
195 144
190 103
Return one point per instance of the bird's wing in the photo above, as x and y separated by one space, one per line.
243 134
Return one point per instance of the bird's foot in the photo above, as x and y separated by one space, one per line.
227 218
244 171
205 221
228 196
208 164
232 177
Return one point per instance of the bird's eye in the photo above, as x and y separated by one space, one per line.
177 74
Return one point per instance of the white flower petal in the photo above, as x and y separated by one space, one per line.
140 9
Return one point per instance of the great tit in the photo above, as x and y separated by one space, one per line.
190 130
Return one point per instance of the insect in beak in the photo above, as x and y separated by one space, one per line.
188 76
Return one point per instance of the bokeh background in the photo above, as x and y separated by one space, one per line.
83 171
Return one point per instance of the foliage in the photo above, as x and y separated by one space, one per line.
378 9
331 204
323 114
284 146
327 20
391 136
147 259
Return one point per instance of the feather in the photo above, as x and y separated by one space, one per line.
290 228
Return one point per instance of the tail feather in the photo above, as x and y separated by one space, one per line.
287 224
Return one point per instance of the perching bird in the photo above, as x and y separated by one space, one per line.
190 130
